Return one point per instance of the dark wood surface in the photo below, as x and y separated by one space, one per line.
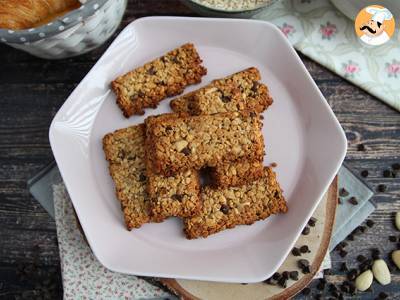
31 92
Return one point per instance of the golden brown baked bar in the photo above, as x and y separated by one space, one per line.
236 173
240 91
226 208
166 76
124 151
180 142
177 195
24 14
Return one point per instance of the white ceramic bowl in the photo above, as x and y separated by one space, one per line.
75 33
301 134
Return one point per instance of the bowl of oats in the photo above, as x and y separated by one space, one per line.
228 8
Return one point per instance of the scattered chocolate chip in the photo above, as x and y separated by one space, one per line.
225 99
376 253
343 243
362 229
244 283
370 223
304 249
261 117
273 165
285 275
352 274
296 251
255 86
318 297
294 275
321 284
306 291
142 177
343 253
168 128
338 247
225 208
343 192
361 258
186 151
364 173
350 237
151 71
303 263
381 188
353 201
276 276
392 238
387 173
178 197
339 201
343 267
253 114
306 270
360 147
312 221
383 295
344 287
396 166
282 282
352 288
332 287
306 230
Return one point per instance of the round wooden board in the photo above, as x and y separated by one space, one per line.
317 241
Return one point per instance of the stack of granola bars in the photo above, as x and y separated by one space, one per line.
214 131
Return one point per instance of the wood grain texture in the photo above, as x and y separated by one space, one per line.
33 89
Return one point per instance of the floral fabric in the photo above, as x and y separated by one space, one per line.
83 276
318 30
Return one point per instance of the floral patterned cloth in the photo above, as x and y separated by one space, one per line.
318 30
83 276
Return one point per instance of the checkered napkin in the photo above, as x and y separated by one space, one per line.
85 278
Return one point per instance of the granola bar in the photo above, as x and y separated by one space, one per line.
166 76
125 153
181 142
236 173
226 208
177 195
240 91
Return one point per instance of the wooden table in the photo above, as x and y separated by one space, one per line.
31 92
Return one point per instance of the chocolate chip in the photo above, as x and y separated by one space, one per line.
343 267
225 208
276 276
350 237
376 254
339 201
370 223
151 71
306 230
361 258
296 251
178 197
312 221
381 188
273 165
387 173
343 243
343 192
303 263
294 275
364 173
352 288
306 270
254 88
383 295
304 249
362 229
318 297
352 274
168 128
392 238
396 166
225 99
321 285
253 114
282 282
343 253
360 147
285 275
186 151
353 201
327 272
332 287
142 177
306 291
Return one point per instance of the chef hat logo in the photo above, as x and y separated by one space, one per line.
374 25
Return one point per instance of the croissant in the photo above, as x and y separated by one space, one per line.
23 14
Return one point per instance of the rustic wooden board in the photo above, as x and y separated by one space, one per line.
317 241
